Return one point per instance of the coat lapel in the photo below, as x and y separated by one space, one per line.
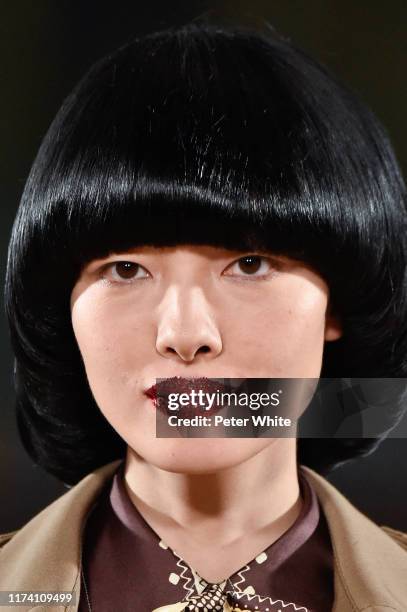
370 568
45 554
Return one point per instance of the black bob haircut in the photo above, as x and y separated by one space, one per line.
216 135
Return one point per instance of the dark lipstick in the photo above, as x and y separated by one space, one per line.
164 387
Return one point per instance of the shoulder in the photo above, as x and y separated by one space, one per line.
399 536
64 514
5 537
348 524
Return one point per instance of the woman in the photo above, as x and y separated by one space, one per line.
208 203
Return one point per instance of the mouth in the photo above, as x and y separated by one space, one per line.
202 395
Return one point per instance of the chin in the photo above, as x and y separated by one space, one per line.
202 455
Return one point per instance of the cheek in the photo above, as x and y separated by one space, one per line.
111 344
286 333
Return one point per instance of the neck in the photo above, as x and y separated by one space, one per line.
259 493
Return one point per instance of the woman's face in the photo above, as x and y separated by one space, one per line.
194 311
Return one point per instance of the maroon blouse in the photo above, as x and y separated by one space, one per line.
126 566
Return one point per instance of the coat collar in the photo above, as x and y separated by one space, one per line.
370 567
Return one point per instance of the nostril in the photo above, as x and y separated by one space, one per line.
204 349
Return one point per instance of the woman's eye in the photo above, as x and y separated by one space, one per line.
252 265
125 271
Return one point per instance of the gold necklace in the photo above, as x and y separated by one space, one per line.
86 589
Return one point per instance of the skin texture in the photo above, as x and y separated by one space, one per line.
201 311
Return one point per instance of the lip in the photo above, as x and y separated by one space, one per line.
177 384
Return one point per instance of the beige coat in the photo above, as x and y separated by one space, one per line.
370 562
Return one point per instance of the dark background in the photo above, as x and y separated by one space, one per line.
48 45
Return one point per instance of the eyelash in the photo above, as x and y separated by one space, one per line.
244 277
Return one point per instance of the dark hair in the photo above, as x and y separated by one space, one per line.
215 135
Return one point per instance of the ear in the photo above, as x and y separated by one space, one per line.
333 325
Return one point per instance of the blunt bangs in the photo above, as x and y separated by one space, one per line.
202 135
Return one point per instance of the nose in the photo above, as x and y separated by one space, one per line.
186 325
